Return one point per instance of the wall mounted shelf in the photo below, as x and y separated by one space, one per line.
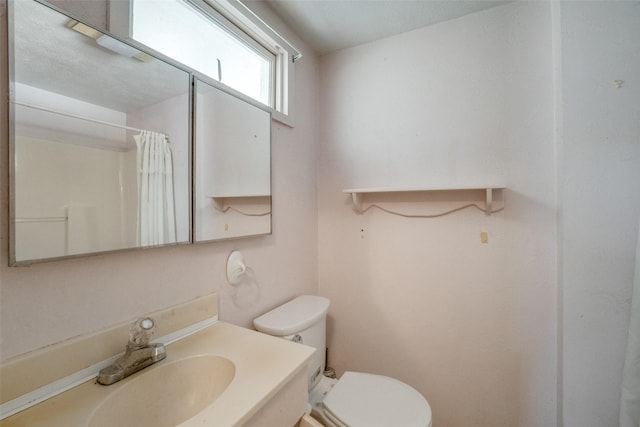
220 202
357 194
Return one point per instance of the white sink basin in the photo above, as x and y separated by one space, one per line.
166 394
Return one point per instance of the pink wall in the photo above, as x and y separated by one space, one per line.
50 302
472 326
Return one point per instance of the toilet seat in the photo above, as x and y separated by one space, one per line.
367 400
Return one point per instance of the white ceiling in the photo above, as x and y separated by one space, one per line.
52 57
330 25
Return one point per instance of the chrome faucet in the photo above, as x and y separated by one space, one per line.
138 355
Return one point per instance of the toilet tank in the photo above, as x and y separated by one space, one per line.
304 320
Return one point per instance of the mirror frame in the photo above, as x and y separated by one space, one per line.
197 76
11 40
192 76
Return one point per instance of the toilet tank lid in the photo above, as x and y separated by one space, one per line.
293 316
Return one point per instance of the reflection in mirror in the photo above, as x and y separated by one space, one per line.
232 166
100 141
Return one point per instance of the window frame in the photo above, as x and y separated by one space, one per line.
240 21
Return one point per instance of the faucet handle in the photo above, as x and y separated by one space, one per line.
141 331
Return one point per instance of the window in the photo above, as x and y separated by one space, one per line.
221 39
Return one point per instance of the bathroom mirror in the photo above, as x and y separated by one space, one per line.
100 141
232 196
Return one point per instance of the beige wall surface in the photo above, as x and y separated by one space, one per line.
50 302
472 326
600 194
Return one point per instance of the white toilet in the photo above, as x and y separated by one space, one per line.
356 399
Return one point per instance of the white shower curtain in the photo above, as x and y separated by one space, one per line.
156 210
630 402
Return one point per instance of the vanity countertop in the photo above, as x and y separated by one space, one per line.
264 365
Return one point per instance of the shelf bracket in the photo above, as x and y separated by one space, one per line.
356 199
489 201
218 203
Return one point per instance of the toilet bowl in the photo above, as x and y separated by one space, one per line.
361 399
357 399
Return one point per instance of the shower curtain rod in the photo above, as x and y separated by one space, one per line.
49 110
